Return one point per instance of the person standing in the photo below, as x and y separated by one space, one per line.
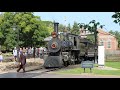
41 52
1 57
15 53
22 61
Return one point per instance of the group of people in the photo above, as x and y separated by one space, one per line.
27 53
32 52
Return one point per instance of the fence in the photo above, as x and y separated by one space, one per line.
113 55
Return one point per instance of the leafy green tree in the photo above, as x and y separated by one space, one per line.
75 28
61 28
6 22
117 35
116 17
49 26
30 29
91 38
69 27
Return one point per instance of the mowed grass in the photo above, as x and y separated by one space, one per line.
94 70
113 64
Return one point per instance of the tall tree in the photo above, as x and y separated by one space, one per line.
6 29
116 17
69 27
49 25
75 29
31 29
61 27
117 35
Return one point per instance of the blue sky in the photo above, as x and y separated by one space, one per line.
81 17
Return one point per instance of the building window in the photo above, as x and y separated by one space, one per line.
101 42
109 43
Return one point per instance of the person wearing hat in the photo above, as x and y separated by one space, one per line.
1 57
22 61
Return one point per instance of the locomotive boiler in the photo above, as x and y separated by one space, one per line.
66 49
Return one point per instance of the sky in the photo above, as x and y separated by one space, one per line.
81 17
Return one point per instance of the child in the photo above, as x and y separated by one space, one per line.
1 57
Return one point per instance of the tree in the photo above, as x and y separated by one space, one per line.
91 38
31 29
61 27
111 32
69 27
6 22
49 25
92 27
75 29
117 35
116 17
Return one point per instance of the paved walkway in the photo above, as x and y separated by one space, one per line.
106 68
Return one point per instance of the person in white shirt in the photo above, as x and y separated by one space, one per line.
1 57
41 52
15 53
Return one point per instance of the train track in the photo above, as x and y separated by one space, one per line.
36 72
41 71
52 69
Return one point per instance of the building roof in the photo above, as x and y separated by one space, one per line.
105 33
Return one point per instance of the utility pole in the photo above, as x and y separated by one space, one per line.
14 28
96 43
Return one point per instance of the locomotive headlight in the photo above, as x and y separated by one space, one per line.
54 45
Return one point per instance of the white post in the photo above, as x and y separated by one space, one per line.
101 56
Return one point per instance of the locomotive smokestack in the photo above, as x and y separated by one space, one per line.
56 27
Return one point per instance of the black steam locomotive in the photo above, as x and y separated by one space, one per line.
67 49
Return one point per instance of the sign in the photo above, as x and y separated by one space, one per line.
87 64
101 54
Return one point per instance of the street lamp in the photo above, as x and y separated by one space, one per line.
94 28
81 25
14 28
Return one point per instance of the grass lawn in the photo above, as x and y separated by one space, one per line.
94 70
113 64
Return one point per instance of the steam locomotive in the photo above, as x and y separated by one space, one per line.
67 49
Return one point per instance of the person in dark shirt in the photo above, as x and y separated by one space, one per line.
22 61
